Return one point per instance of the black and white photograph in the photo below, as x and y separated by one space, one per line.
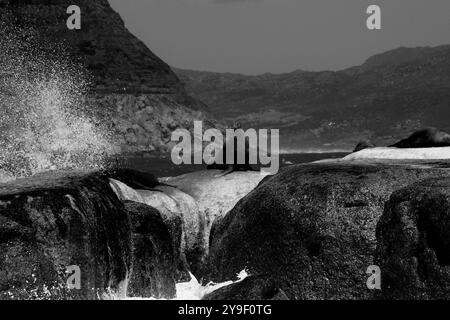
204 151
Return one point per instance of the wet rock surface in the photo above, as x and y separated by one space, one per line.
194 245
56 220
180 214
154 270
173 219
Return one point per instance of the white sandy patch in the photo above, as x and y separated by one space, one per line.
401 154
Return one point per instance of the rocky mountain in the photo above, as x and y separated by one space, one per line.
385 98
134 92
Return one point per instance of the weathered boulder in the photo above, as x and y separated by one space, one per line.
413 250
311 227
173 219
194 243
154 271
261 287
59 219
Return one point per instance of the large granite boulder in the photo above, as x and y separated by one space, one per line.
154 270
413 250
51 222
57 222
311 227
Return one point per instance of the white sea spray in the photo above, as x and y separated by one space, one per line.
194 290
44 123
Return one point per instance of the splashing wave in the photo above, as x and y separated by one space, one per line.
43 120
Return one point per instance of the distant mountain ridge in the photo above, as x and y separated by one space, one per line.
385 98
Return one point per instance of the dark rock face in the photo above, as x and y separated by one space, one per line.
365 144
178 210
154 271
118 61
55 220
413 250
426 138
174 223
311 227
252 288
193 242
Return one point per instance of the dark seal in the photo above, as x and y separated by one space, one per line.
229 168
425 138
364 144
134 179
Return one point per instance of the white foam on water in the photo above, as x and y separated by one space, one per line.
193 290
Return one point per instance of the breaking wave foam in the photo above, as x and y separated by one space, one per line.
44 123
193 290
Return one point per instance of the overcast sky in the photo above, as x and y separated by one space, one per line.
257 36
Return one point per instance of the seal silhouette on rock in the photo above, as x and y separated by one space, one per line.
425 138
230 168
135 179
364 144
